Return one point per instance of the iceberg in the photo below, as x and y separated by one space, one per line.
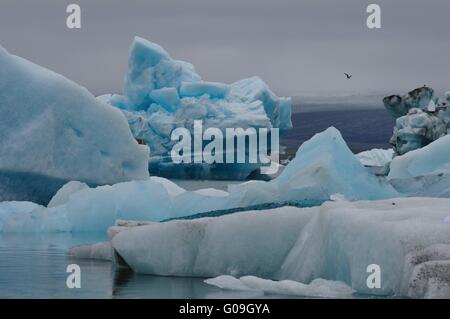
54 131
432 159
416 130
162 94
317 288
433 185
375 157
421 119
323 167
336 241
420 98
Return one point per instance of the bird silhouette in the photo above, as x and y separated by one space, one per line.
349 76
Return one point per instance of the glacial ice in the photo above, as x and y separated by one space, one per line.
433 159
197 89
421 119
317 288
53 131
150 67
336 241
99 251
161 94
375 157
63 194
419 98
324 166
416 130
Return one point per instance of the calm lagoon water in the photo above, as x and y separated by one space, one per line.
34 266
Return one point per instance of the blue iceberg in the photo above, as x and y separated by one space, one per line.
53 131
162 94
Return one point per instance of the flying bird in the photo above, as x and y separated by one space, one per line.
349 76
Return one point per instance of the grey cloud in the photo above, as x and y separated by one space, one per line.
298 47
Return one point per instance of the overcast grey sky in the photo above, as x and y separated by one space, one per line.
298 47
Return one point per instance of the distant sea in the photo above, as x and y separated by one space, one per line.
363 127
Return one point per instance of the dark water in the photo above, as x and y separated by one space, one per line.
362 129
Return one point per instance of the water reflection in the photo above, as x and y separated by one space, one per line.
34 266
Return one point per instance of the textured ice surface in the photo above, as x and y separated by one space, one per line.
336 241
400 105
416 130
432 159
100 251
150 67
214 90
421 119
424 186
161 94
317 288
53 131
324 166
375 157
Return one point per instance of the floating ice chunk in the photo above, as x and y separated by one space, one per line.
430 160
421 119
213 89
63 194
376 157
387 232
317 288
53 131
324 166
161 94
228 282
337 197
100 251
419 98
416 130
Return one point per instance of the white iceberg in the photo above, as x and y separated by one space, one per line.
337 241
317 288
376 157
53 131
432 159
